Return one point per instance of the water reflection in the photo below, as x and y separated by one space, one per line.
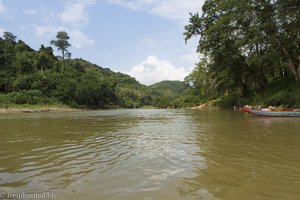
53 151
151 154
160 149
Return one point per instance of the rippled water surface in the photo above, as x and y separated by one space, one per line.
150 154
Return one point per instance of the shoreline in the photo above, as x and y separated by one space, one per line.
38 110
206 105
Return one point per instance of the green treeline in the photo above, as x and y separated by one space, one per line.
250 52
39 77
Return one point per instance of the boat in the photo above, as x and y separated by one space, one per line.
272 113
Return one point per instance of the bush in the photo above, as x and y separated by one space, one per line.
24 82
27 97
230 101
284 98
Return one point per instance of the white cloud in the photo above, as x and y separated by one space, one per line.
177 9
75 12
171 9
2 7
128 4
134 4
72 20
153 70
77 38
45 31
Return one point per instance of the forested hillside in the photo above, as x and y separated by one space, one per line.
29 76
250 52
166 93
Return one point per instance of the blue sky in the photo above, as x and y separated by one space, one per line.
143 38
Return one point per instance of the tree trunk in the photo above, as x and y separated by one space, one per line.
299 66
293 66
243 87
63 60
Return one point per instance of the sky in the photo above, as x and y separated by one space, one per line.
143 38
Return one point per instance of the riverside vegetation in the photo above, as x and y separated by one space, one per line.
250 55
250 52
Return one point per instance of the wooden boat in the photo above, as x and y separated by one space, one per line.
271 113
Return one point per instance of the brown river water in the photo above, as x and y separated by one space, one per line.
150 154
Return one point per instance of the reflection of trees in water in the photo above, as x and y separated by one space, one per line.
245 158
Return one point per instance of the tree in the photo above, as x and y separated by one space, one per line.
24 62
21 46
201 80
248 44
286 32
45 59
8 36
62 43
221 42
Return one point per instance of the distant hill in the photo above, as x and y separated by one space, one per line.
168 94
129 93
176 87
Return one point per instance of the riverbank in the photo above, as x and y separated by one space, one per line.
281 93
37 108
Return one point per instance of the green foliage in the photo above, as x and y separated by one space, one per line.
187 99
6 81
281 98
284 92
165 94
36 77
45 59
27 97
175 87
245 47
9 37
231 101
62 43
4 100
30 77
24 82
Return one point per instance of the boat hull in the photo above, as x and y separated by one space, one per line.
272 113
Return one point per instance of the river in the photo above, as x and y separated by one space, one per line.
148 154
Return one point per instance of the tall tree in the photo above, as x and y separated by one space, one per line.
286 32
62 43
248 43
